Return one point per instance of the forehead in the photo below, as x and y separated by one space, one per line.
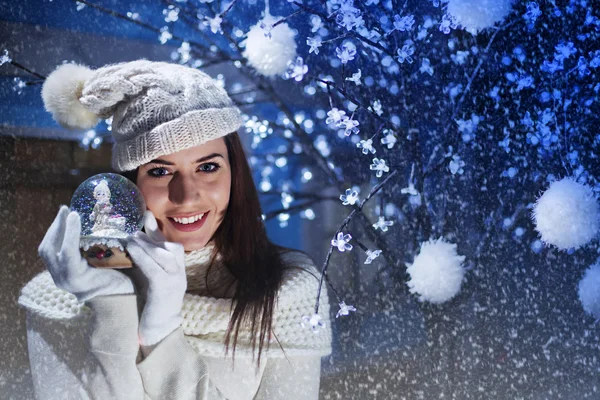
192 154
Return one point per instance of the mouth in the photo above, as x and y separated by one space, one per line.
188 224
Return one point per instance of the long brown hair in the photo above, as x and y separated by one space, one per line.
247 253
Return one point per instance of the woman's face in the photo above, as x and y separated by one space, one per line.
188 192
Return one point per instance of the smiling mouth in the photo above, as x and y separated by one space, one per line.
188 220
188 224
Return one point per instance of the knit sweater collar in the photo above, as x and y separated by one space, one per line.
205 279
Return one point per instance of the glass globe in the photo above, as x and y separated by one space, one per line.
111 208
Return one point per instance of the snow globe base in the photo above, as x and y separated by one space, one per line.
105 253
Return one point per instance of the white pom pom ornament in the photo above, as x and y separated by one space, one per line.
567 215
437 272
589 290
61 92
475 15
270 55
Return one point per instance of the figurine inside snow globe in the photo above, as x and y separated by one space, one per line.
111 208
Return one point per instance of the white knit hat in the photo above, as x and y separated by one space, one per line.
158 108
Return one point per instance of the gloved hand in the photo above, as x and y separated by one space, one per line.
69 269
160 278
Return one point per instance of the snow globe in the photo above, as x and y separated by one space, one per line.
111 208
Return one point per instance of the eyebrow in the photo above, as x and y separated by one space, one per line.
201 159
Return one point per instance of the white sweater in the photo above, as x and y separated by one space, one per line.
91 350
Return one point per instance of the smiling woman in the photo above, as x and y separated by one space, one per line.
207 276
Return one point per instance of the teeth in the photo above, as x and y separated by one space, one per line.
189 220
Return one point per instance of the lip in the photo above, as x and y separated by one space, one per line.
189 227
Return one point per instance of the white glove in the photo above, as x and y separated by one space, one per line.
160 278
71 272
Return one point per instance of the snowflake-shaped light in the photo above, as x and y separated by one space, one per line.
382 224
404 23
346 53
336 116
350 198
214 23
5 58
366 146
296 69
350 126
314 43
405 53
448 23
344 309
379 166
426 67
314 321
389 140
371 255
341 242
356 78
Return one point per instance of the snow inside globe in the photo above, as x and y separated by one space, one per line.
111 208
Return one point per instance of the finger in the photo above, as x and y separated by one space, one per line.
55 234
165 259
151 227
140 257
70 245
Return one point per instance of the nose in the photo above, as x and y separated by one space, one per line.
183 189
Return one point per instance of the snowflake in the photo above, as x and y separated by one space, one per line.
382 224
389 139
582 67
371 255
410 190
355 78
346 52
165 35
448 23
344 309
376 107
214 23
350 126
267 28
349 17
366 146
6 59
426 67
456 165
313 321
404 23
336 116
564 51
296 69
316 23
341 242
405 53
379 166
314 43
533 12
350 198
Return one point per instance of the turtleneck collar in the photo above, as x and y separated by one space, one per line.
198 266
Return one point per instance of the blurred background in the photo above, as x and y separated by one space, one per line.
484 121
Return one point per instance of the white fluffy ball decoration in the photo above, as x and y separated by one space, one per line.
270 56
567 214
475 15
61 92
589 290
437 272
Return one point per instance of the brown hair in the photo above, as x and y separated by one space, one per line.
241 240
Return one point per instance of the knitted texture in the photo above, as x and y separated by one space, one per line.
205 319
157 108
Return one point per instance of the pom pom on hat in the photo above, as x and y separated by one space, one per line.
61 92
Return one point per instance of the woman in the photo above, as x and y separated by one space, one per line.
219 304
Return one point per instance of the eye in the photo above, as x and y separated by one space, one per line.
210 167
157 172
